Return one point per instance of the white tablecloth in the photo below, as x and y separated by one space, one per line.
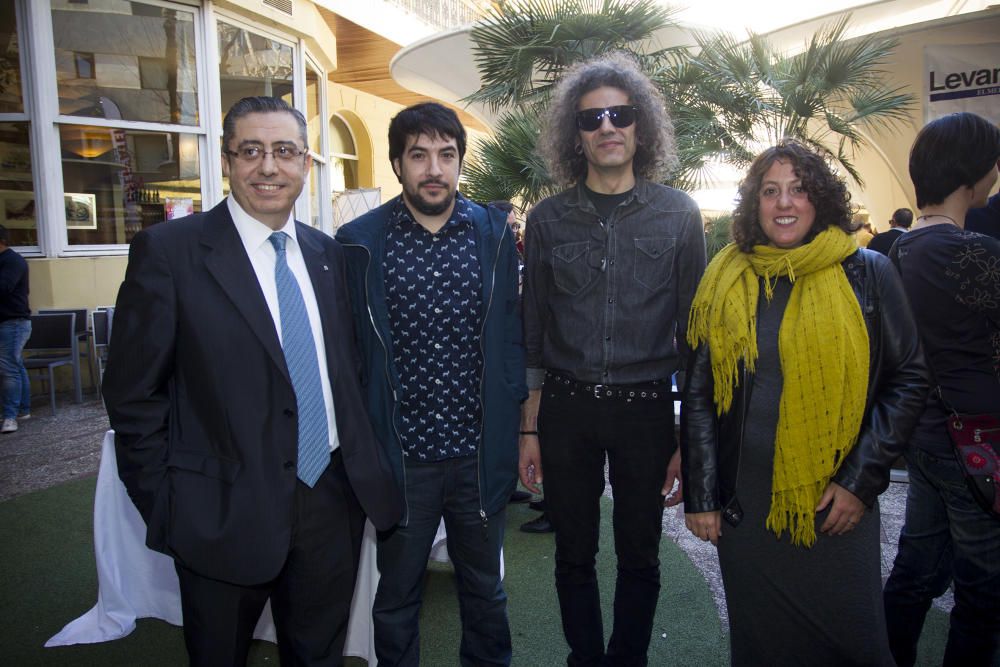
136 582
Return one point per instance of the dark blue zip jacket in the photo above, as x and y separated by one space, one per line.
502 387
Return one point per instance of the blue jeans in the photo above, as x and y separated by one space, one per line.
946 538
577 432
16 386
448 489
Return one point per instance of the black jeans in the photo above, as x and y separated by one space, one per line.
946 538
576 432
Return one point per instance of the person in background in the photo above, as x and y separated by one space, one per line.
901 220
233 387
15 329
952 278
517 496
805 383
433 281
610 269
864 234
985 219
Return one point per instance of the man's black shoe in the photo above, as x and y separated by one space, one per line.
519 496
537 505
539 525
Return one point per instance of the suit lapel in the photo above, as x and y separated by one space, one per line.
321 274
226 259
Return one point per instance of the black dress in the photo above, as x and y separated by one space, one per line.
791 605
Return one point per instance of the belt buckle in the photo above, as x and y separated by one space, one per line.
598 388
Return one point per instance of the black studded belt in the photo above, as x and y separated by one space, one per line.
655 389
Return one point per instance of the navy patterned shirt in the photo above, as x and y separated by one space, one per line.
433 292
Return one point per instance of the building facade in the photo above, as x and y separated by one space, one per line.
111 115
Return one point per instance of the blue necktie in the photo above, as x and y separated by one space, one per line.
303 367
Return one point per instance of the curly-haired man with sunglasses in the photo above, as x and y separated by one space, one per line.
611 266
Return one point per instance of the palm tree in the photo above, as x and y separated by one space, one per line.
729 98
828 96
718 234
522 49
505 165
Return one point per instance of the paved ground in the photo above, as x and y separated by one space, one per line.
48 450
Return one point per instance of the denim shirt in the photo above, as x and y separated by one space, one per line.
607 300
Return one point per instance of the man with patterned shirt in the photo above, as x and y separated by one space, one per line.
433 280
611 267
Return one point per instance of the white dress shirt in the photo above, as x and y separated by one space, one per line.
255 236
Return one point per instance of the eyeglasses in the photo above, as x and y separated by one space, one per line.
256 153
621 116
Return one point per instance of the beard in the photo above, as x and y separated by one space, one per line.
417 201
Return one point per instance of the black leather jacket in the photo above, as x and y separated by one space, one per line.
897 388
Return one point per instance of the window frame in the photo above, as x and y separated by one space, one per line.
26 116
40 95
303 207
51 212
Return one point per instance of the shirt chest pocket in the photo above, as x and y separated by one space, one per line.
654 261
570 269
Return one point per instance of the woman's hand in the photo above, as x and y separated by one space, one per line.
845 513
706 526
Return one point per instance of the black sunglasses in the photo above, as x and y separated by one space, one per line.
589 120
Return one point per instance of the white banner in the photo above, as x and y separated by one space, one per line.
962 78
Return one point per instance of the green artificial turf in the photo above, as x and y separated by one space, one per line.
48 577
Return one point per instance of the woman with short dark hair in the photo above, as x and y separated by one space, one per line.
952 277
797 404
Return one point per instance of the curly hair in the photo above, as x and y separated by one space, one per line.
655 154
827 193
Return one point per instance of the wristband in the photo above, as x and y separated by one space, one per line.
529 432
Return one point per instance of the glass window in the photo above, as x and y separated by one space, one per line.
125 60
312 108
343 174
119 181
17 197
252 64
341 139
10 64
343 156
314 195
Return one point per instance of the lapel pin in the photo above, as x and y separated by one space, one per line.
326 268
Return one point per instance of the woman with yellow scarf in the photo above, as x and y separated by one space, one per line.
805 382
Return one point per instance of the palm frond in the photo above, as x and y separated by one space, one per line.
728 97
506 165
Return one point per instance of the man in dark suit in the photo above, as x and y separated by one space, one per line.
233 390
901 220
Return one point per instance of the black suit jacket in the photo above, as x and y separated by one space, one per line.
202 405
883 241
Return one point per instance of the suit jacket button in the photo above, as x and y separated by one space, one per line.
289 465
289 412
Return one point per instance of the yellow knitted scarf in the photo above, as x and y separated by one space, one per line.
823 349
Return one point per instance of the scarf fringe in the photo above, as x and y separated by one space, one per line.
790 512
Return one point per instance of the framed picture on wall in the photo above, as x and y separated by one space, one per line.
17 209
81 211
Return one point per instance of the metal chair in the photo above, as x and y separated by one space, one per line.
82 336
53 343
100 324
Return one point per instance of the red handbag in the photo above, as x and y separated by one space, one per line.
977 442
